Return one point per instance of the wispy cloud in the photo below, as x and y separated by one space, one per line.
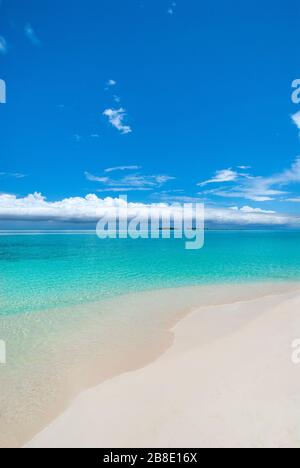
169 198
250 209
172 8
225 175
31 35
293 200
122 168
11 175
244 193
288 176
3 45
117 99
77 138
116 118
123 189
131 182
255 188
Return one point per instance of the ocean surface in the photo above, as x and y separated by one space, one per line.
69 320
45 271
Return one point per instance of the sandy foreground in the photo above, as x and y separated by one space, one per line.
228 380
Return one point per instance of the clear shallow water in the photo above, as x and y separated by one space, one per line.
40 272
62 337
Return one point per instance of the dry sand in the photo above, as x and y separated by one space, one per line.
227 380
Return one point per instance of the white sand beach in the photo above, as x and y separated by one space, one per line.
227 380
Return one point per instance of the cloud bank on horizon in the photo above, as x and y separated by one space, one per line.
90 209
231 184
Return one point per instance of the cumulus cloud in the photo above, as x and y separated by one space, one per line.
35 207
3 45
116 118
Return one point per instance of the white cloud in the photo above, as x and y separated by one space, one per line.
77 138
225 175
255 188
94 178
123 189
117 99
248 217
293 200
31 35
3 45
35 207
248 195
286 177
116 118
172 8
249 209
179 198
122 168
137 182
296 119
13 175
111 83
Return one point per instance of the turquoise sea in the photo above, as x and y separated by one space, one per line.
40 272
69 323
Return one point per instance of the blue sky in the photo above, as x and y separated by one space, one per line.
187 99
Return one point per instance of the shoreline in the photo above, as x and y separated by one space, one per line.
95 412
